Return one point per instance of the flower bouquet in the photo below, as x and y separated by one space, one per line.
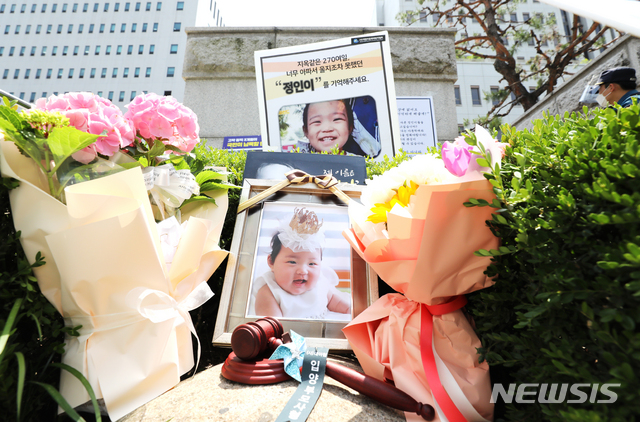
415 232
110 270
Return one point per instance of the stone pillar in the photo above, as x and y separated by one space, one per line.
221 81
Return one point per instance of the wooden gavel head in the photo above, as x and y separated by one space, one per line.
252 340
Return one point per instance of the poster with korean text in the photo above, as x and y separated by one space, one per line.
330 96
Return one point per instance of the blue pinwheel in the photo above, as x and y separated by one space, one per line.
293 355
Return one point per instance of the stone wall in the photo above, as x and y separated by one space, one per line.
221 82
625 52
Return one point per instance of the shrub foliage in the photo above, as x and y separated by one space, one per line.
566 304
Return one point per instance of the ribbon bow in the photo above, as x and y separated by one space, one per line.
293 355
169 187
297 177
158 306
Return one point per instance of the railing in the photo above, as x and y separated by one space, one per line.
11 97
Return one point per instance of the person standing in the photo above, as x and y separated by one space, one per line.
617 85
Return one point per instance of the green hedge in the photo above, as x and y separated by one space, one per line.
566 304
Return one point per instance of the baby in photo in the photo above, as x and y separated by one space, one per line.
297 284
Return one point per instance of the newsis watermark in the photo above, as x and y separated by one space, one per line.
555 393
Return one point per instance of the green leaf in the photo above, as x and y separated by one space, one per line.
22 369
482 162
207 175
6 330
64 141
198 198
86 384
61 401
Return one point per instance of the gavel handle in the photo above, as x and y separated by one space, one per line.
378 390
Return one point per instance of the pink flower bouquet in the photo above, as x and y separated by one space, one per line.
415 232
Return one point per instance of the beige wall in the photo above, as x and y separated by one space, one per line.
221 81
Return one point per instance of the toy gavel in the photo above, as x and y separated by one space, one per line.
252 341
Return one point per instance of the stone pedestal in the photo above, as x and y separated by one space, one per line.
210 397
220 73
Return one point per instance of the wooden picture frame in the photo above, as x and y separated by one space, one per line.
241 267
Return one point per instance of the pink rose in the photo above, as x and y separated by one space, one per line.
456 156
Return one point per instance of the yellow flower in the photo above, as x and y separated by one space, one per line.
402 197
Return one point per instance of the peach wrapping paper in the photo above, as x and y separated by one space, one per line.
429 259
105 270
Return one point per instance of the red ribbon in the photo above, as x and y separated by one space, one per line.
428 360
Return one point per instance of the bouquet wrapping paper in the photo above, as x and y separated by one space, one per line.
105 270
421 339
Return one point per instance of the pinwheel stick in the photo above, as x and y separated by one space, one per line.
254 340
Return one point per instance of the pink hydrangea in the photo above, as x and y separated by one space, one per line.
92 114
163 118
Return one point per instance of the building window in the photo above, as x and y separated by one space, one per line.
91 26
81 74
121 96
101 28
16 74
95 6
159 6
180 5
152 48
148 6
92 74
167 93
130 49
44 51
176 27
134 26
80 28
495 100
423 16
70 75
148 73
436 17
33 97
38 29
475 95
75 7
137 6
27 29
86 50
17 31
70 28
155 27
126 7
144 27
65 50
38 73
64 8
116 7
103 74
141 49
97 52
118 50
22 95
60 73
136 72
125 72
54 8
114 74
110 96
112 29
106 7
514 17
5 74
456 90
7 29
22 49
54 51
170 72
99 93
85 7
2 51
33 8
59 31
123 27
173 49
75 50
11 50
33 51
27 72
108 50
133 95
44 8
2 6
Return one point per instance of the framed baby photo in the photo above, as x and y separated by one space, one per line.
289 260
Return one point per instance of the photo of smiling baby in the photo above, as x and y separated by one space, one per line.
348 125
299 281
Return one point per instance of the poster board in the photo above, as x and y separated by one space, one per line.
417 124
355 71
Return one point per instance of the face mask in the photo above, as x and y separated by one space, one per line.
602 100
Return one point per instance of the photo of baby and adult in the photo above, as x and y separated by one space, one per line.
302 263
349 124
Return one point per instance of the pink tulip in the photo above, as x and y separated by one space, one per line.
456 156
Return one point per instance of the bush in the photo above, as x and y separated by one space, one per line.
566 303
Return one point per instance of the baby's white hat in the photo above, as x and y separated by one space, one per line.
303 233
